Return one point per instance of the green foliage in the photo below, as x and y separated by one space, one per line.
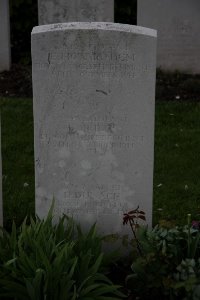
45 261
169 267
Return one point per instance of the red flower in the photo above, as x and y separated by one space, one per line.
133 214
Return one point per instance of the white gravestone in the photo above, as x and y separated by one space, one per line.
60 11
5 56
1 202
94 90
177 23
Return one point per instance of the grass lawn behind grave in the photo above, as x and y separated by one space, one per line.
176 171
177 161
17 158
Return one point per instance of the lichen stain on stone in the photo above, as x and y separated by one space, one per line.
118 175
86 164
62 163
64 153
81 132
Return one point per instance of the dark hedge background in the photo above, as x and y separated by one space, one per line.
24 16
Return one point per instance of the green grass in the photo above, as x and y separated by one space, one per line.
17 159
177 161
176 171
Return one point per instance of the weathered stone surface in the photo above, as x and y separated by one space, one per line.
5 57
94 86
60 11
177 23
1 202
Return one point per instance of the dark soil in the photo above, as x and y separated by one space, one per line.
17 82
177 86
169 86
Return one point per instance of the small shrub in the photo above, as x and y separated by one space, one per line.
168 263
53 262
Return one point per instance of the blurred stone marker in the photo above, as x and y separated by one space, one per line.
61 11
94 90
177 23
1 202
5 56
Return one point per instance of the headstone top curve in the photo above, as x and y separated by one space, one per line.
95 26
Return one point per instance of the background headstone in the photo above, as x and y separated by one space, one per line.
5 56
61 11
1 202
177 23
94 90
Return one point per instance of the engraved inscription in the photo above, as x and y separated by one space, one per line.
100 139
106 199
91 63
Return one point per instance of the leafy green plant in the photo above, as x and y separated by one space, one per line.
168 263
51 261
